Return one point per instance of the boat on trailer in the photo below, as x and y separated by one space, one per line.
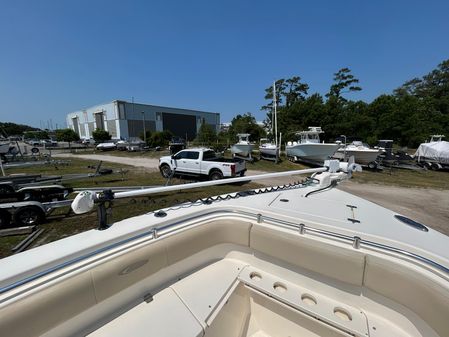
268 150
243 147
434 154
303 259
363 154
308 148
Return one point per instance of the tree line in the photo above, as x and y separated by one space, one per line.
415 110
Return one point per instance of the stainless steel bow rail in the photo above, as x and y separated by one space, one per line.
105 198
157 232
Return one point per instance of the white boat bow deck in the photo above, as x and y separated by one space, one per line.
300 260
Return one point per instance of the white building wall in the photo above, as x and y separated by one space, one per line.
119 112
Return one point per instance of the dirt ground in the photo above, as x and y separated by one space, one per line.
428 206
149 163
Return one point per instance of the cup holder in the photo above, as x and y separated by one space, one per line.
255 276
280 287
342 314
308 299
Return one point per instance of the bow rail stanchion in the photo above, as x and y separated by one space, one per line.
86 200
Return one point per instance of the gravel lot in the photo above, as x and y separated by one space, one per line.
429 206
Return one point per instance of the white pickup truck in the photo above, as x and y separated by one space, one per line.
201 162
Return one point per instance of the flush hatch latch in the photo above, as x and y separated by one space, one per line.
352 218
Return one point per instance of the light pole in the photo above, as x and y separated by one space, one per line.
144 131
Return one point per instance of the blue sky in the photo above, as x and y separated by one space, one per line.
61 56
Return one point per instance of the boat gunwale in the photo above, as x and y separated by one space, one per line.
158 232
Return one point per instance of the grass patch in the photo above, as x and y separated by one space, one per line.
271 166
405 178
117 153
59 225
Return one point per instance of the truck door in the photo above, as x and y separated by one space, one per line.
192 162
187 161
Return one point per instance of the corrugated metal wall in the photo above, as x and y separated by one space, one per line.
135 127
90 125
179 121
112 128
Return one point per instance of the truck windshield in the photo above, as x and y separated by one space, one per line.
208 155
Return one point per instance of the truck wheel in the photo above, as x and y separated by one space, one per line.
28 216
165 170
5 218
372 165
215 175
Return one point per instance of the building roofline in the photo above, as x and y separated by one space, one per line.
163 106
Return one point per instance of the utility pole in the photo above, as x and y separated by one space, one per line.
144 130
275 115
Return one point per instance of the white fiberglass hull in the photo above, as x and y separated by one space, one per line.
269 150
305 260
242 150
312 152
362 157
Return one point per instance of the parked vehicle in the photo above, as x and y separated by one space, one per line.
201 162
33 142
87 141
106 146
176 144
48 142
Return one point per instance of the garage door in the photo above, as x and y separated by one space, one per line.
180 125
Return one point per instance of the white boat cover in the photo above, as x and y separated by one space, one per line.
437 151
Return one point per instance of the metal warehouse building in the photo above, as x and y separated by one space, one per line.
124 120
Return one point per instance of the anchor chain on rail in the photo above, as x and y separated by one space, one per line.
106 198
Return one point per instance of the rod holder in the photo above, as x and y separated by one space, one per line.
104 208
259 218
356 243
302 229
154 233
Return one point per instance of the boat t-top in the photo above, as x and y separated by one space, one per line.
363 154
243 147
436 138
303 259
309 149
